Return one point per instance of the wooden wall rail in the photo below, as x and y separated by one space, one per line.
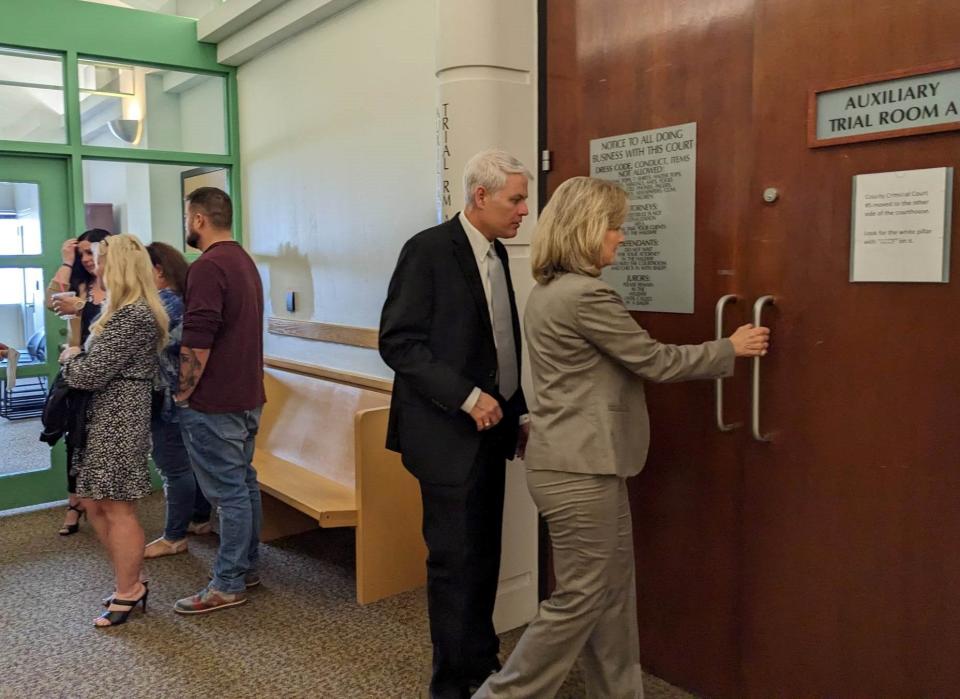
346 377
324 332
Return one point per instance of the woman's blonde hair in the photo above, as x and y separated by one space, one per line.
571 227
128 277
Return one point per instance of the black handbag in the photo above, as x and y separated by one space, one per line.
65 412
157 399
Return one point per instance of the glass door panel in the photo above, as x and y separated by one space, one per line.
19 218
145 199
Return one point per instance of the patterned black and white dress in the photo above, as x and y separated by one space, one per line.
118 366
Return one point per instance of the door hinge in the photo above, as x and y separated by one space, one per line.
545 161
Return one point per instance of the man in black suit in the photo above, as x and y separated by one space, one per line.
451 333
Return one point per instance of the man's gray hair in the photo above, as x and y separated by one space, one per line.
489 169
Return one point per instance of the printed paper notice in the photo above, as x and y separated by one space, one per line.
901 226
654 268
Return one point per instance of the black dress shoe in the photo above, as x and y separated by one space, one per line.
452 693
475 685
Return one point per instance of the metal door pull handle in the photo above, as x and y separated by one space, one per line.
718 383
757 322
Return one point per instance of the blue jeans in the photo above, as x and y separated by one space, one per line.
221 449
185 501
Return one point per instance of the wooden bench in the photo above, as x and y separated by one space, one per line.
321 460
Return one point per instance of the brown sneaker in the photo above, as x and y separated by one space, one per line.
161 547
209 600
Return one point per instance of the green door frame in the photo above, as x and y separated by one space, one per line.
78 30
50 174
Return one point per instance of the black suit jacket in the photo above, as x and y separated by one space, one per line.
435 333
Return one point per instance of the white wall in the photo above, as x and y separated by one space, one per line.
162 109
105 182
338 144
202 114
166 213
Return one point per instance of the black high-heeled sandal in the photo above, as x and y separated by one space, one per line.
108 600
119 616
68 529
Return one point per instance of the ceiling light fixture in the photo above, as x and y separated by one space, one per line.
127 130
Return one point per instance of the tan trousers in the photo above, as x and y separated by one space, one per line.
592 613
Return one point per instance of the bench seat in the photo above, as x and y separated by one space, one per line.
330 503
321 461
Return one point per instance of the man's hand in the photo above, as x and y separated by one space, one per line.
486 413
523 436
3 350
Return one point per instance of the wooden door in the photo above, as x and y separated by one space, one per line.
822 563
621 66
851 513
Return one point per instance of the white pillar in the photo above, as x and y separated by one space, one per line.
487 98
486 90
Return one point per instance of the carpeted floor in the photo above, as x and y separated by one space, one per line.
22 448
301 635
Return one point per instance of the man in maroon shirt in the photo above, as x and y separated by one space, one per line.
221 393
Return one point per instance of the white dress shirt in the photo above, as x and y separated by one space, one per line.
481 246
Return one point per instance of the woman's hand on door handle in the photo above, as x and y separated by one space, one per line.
749 341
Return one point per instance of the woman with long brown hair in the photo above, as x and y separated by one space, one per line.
187 510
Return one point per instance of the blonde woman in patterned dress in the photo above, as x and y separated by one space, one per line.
118 365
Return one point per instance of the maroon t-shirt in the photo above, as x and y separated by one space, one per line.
224 313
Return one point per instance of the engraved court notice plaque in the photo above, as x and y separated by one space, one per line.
657 168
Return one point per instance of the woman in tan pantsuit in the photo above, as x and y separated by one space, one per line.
589 433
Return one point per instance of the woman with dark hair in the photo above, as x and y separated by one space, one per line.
188 511
80 274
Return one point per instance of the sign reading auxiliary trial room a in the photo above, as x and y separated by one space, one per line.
657 168
926 101
901 226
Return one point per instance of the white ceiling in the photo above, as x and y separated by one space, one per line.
186 8
149 5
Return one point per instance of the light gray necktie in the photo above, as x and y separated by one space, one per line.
502 324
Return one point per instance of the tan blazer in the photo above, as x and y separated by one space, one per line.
589 360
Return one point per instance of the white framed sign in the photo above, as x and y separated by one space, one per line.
903 103
901 223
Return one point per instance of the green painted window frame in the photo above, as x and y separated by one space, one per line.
81 30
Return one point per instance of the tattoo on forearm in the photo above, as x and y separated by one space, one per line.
190 369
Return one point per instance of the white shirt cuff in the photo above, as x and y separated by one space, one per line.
471 400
